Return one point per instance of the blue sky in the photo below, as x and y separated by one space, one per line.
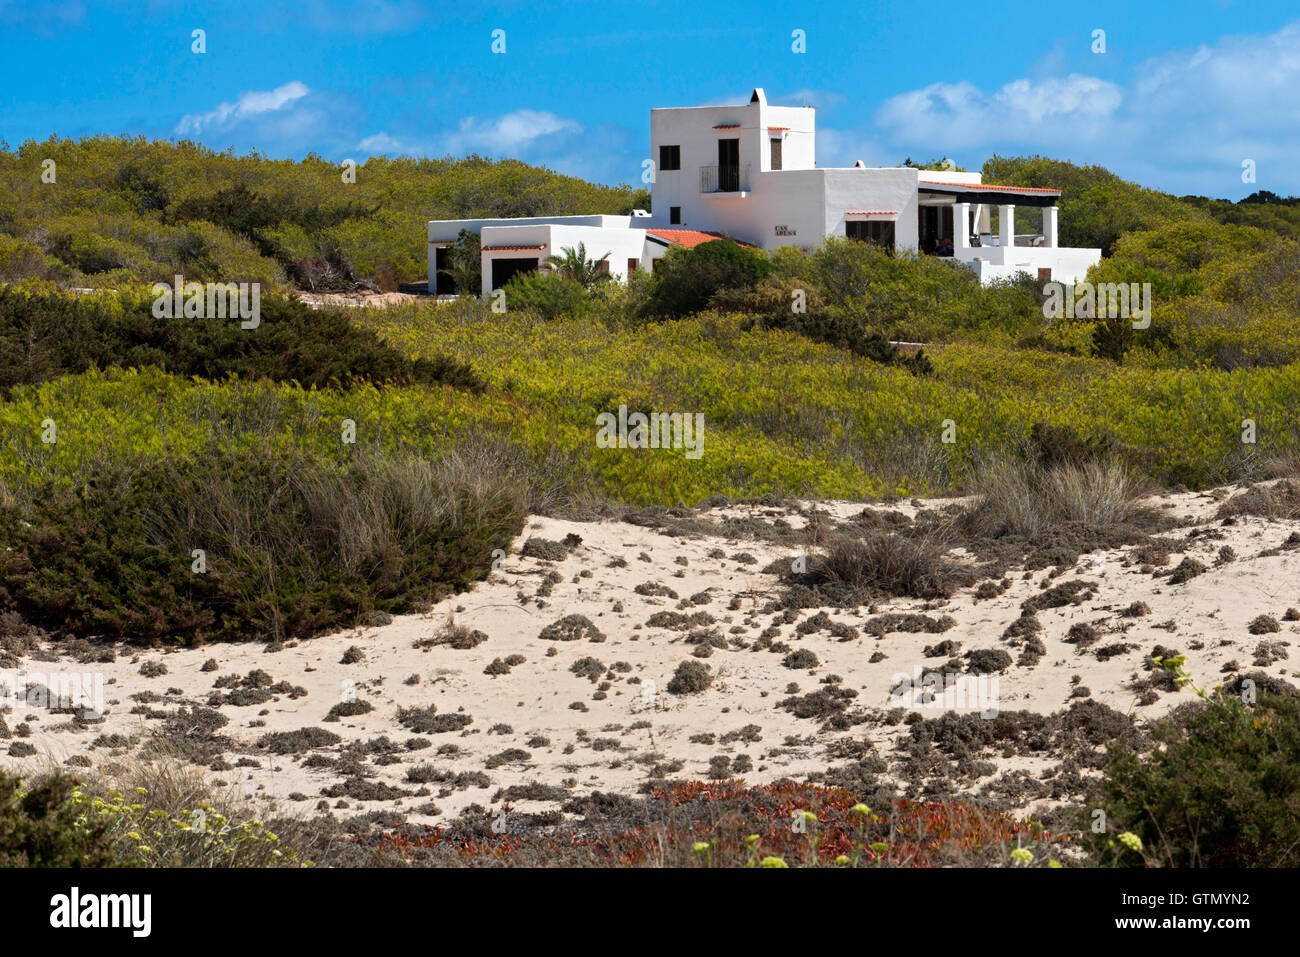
1185 91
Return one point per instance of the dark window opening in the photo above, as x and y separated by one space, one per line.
503 270
879 232
670 157
632 265
674 215
776 153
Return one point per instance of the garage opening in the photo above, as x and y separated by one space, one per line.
503 270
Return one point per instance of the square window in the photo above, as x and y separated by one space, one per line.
670 158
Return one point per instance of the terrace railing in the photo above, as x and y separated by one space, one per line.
724 179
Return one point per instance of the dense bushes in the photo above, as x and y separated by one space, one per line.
685 280
39 826
130 210
290 545
44 334
784 413
1218 787
548 294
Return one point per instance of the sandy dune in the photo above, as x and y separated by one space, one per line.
542 723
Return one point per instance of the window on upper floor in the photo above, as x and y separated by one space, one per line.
670 157
776 152
674 215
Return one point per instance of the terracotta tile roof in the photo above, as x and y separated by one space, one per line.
495 249
690 237
778 127
992 186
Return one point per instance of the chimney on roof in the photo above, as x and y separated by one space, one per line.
759 96
858 164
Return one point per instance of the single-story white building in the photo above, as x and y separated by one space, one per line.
748 172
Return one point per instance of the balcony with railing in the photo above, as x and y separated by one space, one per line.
724 179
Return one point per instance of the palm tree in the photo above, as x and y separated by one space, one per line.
575 265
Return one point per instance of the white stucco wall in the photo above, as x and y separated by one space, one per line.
1068 264
441 231
801 207
950 176
621 242
885 189
692 130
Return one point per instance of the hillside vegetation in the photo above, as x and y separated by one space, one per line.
329 465
133 210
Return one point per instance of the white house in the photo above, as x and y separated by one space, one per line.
749 173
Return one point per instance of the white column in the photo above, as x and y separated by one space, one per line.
960 227
1049 226
1007 225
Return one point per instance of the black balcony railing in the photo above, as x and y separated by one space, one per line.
724 179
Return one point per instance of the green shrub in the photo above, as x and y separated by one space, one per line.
836 328
40 827
549 294
1218 786
691 677
46 334
685 280
292 545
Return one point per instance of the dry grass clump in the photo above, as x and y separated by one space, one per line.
1076 503
160 811
453 636
854 571
1278 501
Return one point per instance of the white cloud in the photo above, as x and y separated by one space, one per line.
383 144
253 104
508 134
603 153
1183 121
957 115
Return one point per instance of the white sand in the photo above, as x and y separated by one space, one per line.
614 743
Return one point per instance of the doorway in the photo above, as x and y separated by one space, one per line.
729 166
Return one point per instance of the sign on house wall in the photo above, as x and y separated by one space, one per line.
783 230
